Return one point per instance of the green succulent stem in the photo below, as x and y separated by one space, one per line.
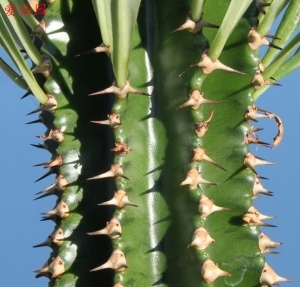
13 33
237 8
102 10
291 65
20 29
285 30
274 10
29 19
8 41
133 159
12 74
196 9
119 21
286 53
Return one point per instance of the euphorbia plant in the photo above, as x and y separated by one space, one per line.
153 174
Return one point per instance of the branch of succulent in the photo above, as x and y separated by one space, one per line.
149 132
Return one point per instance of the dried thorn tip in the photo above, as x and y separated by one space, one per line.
202 127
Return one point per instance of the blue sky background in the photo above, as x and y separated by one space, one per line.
21 228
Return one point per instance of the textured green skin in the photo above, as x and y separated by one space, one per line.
223 143
140 129
80 138
157 232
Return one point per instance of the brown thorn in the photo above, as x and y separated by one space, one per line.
194 27
196 99
278 137
274 46
120 93
272 37
202 127
50 105
116 171
250 140
26 94
45 68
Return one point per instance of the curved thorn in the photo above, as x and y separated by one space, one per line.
202 127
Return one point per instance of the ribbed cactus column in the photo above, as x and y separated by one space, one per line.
219 127
137 162
149 140
139 152
81 150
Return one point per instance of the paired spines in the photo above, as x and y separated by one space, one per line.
60 185
199 154
120 93
193 26
55 269
255 40
207 65
120 200
269 277
196 99
265 243
57 237
194 178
